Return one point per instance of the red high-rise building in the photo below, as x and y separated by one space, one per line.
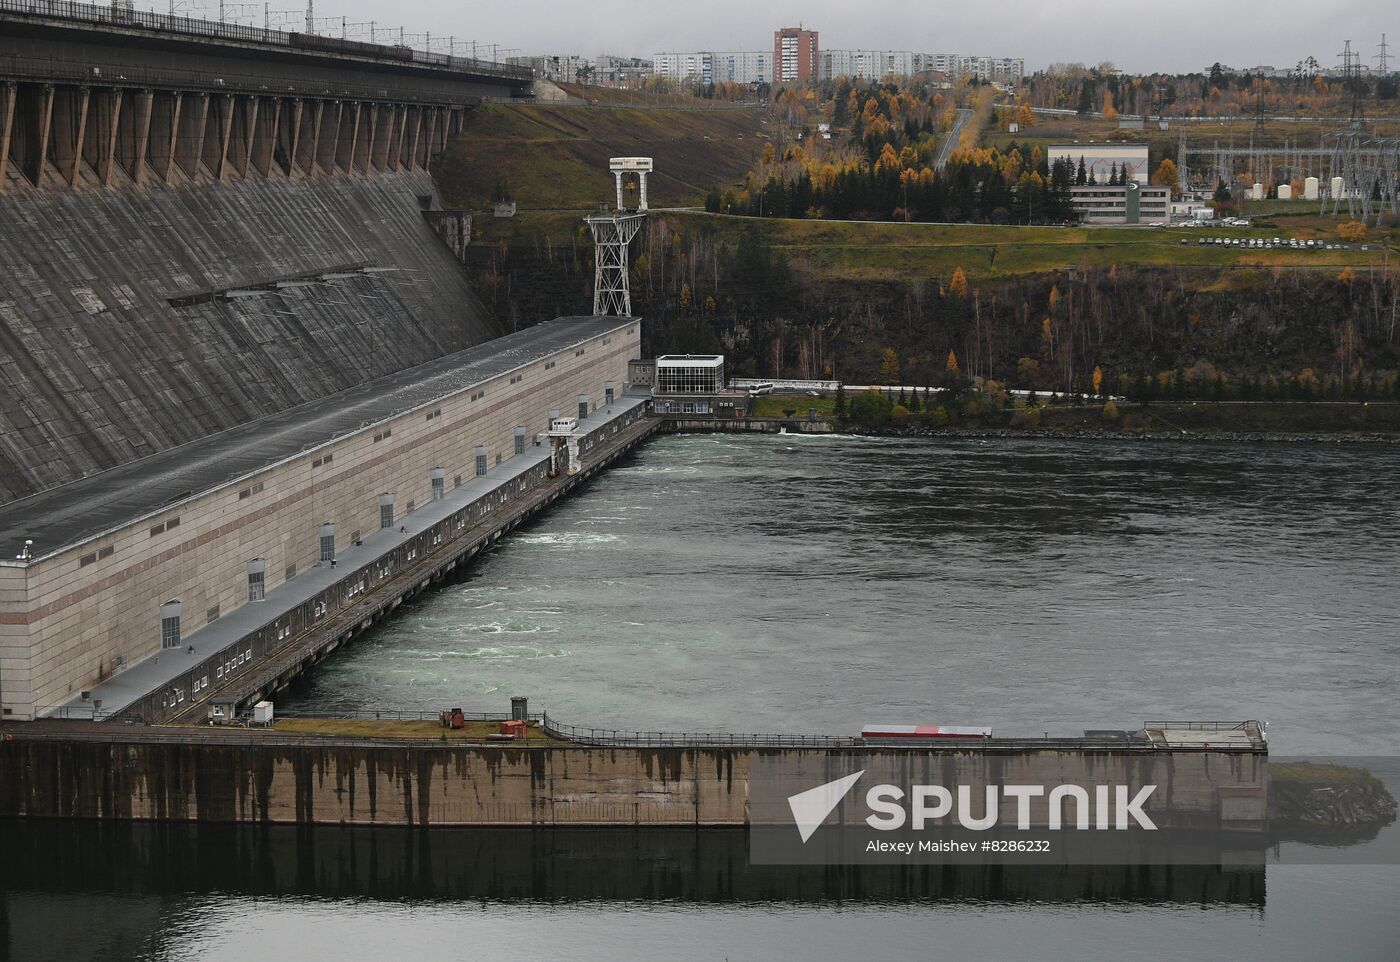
794 56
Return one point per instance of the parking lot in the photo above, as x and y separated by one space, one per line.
1272 243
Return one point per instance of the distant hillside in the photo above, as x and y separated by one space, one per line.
553 157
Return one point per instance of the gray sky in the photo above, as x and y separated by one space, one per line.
1137 36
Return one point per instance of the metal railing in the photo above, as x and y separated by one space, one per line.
625 738
1208 726
198 27
612 737
401 714
226 81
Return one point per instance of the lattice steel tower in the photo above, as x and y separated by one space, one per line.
613 231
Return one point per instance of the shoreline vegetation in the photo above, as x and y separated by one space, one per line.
976 414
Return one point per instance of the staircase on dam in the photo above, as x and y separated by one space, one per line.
204 224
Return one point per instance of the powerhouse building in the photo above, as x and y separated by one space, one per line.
146 583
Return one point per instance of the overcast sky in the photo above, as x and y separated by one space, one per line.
1137 36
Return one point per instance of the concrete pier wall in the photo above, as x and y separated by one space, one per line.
248 777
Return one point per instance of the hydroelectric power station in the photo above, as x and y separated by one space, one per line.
251 405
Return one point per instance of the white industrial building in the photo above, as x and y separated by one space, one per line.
1101 159
557 68
618 71
1130 203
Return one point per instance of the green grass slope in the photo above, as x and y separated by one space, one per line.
555 157
892 251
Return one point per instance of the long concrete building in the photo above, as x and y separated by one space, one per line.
126 565
248 400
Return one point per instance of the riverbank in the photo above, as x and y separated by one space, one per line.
1090 434
1222 421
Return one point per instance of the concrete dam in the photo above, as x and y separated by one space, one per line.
251 405
250 402
205 224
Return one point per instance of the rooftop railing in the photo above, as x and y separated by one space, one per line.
625 738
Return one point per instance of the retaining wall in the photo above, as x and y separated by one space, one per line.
248 777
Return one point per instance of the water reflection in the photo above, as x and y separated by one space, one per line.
132 861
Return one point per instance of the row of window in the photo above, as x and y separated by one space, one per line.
682 407
232 663
98 555
164 526
356 585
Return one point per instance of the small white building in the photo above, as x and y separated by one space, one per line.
689 374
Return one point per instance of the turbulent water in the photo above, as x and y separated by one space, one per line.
815 584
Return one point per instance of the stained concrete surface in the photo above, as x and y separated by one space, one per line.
115 345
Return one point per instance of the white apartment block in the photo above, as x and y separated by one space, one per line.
877 64
743 66
704 67
1004 69
868 64
747 66
684 67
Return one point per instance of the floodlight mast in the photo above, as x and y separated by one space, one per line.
613 231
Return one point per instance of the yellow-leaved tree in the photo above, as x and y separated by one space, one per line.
958 285
1351 231
1167 174
952 364
1098 379
889 366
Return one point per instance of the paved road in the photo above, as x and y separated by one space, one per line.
951 141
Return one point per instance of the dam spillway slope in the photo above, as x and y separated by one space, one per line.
132 321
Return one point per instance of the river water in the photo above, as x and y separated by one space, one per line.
815 584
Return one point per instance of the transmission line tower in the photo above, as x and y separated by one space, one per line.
1383 58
